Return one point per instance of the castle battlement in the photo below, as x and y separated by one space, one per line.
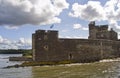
101 32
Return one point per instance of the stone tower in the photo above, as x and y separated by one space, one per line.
92 30
42 44
101 32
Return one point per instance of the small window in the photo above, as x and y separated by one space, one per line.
46 47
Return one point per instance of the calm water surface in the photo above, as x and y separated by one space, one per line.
89 70
13 72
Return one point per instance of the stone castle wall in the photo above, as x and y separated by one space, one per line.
47 46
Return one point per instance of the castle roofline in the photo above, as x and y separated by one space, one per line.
42 30
52 30
106 25
45 30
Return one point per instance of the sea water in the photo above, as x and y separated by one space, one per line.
13 72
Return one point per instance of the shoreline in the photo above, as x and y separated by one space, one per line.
66 63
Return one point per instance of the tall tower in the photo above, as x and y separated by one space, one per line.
101 32
43 42
92 30
38 43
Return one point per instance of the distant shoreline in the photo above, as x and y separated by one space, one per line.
19 51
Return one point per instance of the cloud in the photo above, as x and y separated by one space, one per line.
11 27
4 40
85 28
36 12
1 39
65 31
80 37
94 11
22 43
79 26
90 11
74 37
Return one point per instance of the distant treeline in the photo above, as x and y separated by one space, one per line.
14 51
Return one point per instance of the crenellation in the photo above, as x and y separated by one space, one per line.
101 32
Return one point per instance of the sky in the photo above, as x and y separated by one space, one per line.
20 18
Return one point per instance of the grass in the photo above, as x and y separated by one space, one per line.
89 70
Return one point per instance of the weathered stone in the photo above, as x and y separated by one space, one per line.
101 44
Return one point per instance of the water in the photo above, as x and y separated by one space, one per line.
13 72
4 60
104 69
16 73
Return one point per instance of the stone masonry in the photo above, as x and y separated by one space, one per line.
101 44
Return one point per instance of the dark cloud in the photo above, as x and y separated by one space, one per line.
20 12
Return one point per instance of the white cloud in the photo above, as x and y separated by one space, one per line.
85 28
74 37
112 9
114 24
119 35
11 27
4 40
37 12
80 37
1 39
79 26
94 11
64 30
90 11
22 43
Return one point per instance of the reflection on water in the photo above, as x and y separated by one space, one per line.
90 70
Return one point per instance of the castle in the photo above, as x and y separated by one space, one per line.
101 44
